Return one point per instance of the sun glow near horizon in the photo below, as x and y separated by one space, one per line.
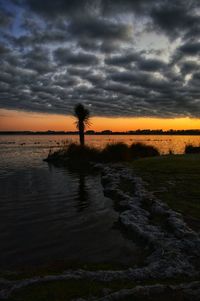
11 120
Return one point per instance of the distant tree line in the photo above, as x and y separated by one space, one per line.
105 132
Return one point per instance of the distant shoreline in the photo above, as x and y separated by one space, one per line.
108 133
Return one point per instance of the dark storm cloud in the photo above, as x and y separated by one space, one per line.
52 8
78 71
3 49
138 59
110 46
191 48
196 76
39 38
188 49
169 16
122 60
142 79
5 77
38 59
88 44
174 18
151 65
65 56
6 18
99 29
63 52
104 46
188 67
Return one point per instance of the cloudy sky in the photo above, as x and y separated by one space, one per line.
121 58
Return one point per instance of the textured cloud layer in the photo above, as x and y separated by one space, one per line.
121 58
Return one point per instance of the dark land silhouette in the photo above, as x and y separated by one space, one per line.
106 132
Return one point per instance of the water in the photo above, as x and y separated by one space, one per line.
49 214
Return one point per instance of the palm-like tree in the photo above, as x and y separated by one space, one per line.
83 116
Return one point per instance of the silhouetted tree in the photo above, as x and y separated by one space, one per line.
83 116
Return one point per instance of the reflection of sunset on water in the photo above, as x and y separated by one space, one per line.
39 145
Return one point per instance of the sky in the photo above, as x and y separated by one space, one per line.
132 63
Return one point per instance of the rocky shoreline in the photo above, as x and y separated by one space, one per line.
175 247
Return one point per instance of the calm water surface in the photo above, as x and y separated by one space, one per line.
49 214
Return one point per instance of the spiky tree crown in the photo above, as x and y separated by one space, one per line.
82 114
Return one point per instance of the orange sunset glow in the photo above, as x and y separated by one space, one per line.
11 120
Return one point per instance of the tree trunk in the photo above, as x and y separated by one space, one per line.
81 133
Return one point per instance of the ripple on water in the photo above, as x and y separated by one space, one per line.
48 214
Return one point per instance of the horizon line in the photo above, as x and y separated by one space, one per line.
107 132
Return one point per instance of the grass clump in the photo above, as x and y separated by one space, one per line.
139 150
190 149
75 157
86 153
115 152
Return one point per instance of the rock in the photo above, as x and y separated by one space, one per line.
172 238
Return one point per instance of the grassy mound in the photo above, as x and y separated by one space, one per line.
139 150
190 149
115 152
86 153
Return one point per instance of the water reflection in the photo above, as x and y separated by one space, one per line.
83 198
